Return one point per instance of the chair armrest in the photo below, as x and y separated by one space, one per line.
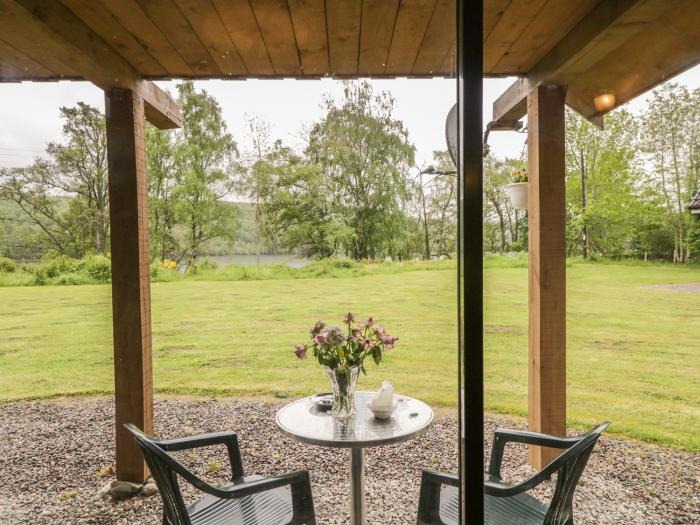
439 478
229 439
429 499
535 438
503 436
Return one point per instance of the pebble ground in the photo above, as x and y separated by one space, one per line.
55 456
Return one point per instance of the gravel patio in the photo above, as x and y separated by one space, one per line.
56 455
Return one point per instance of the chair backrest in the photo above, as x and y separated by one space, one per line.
571 465
161 464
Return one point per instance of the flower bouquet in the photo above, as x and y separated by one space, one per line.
342 352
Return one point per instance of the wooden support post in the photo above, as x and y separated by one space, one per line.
547 268
131 297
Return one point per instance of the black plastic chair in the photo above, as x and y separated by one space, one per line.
509 504
282 500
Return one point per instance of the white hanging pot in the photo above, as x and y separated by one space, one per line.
517 192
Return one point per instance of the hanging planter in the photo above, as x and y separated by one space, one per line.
517 190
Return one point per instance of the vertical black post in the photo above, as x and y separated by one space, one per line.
470 238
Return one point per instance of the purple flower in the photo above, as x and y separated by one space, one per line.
320 325
300 351
319 339
349 318
369 322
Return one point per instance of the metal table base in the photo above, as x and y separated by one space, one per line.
358 508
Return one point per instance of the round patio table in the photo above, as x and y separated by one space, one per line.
303 421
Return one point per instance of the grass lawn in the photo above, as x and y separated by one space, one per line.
633 355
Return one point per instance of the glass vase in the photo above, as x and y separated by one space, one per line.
343 382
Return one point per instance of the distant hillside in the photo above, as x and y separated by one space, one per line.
20 238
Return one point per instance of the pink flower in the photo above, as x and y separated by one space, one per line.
320 338
300 351
389 341
349 317
369 322
357 331
367 344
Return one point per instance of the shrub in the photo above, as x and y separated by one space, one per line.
7 265
197 267
71 279
98 267
58 265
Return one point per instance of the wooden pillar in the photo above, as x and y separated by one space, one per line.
131 298
547 268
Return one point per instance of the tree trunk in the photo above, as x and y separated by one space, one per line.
583 206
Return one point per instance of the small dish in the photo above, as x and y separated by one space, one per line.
323 401
382 413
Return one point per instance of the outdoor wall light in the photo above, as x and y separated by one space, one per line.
604 101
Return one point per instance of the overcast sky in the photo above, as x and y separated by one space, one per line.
29 112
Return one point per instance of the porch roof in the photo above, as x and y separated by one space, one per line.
627 46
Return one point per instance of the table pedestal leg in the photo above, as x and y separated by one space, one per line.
358 510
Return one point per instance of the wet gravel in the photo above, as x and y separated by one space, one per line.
56 455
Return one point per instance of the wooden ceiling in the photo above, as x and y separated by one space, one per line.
628 45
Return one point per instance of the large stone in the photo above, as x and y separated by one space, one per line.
149 489
119 489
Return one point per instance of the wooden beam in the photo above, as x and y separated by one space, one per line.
603 29
50 29
547 268
131 300
161 109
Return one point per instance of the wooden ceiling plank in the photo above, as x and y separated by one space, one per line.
556 19
205 21
411 24
15 65
344 21
173 25
514 21
439 37
103 23
275 23
309 22
137 22
242 27
378 18
448 66
493 10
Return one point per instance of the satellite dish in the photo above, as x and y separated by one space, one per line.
451 133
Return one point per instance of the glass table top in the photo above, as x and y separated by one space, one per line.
304 421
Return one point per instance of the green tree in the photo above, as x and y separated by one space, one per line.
364 155
671 142
77 169
162 193
604 203
207 171
298 202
